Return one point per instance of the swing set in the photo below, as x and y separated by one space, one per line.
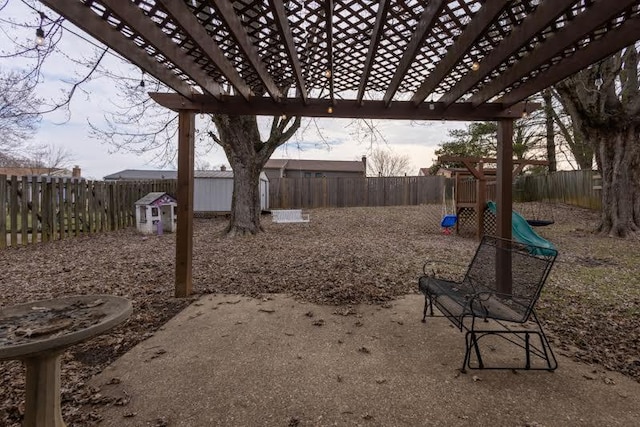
474 187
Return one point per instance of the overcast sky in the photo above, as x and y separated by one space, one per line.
338 142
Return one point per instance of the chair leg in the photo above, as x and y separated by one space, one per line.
474 340
527 347
431 305
549 355
467 353
424 311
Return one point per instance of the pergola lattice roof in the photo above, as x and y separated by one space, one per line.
304 55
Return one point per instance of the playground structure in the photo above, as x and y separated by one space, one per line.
474 186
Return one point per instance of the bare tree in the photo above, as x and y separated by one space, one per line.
384 162
19 116
570 136
604 104
49 157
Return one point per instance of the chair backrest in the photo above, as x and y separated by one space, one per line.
529 266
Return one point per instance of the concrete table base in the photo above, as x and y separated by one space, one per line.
42 406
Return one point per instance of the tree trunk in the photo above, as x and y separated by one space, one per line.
240 138
245 204
549 122
619 155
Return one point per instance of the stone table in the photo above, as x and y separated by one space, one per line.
38 333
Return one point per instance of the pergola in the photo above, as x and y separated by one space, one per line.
380 59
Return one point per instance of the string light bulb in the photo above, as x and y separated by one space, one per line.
283 117
40 31
525 113
141 84
327 74
39 36
330 109
599 81
475 66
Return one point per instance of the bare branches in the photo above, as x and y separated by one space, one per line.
384 162
19 116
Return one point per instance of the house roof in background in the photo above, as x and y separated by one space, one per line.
276 163
28 171
316 165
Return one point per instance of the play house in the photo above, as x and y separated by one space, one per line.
156 213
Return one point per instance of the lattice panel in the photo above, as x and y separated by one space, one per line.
352 26
467 222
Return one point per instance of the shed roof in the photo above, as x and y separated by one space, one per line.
142 174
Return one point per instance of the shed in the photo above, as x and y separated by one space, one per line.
155 213
213 191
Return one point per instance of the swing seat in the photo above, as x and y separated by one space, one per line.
539 222
449 221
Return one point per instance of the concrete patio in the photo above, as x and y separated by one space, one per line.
236 361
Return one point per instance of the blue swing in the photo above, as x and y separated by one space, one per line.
448 221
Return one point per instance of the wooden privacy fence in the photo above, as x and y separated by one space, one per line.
36 209
289 193
578 188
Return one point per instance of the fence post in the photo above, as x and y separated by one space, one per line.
3 211
24 210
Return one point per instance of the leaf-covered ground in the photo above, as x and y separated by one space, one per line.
344 256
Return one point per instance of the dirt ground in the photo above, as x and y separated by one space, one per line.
344 257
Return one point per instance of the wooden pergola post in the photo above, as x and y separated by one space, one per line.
481 200
184 237
504 188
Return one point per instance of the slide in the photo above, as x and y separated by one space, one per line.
523 233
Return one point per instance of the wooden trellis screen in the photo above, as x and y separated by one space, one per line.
34 209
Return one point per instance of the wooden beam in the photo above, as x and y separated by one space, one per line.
184 229
343 108
574 31
183 16
282 22
612 42
135 18
227 13
329 29
427 21
88 21
478 25
475 159
504 204
504 179
477 173
376 33
541 17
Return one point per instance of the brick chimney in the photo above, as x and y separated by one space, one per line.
223 168
76 172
